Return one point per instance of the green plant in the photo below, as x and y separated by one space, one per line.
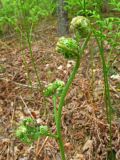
80 26
77 7
107 90
27 15
22 16
83 7
7 17
28 132
112 38
33 11
115 4
70 49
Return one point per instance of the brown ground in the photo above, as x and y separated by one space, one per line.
85 130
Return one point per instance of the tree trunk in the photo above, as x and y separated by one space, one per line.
62 19
105 8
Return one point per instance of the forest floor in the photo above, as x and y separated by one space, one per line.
84 125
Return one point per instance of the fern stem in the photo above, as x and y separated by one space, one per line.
64 93
107 91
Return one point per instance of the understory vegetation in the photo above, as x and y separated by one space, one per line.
60 95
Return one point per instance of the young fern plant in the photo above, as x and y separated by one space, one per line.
71 50
26 18
99 36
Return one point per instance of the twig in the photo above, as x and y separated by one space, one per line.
12 141
20 84
51 152
13 114
26 107
39 151
25 85
8 152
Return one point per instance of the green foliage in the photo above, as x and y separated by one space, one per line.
7 16
108 29
89 7
47 7
81 26
54 88
23 14
115 4
77 7
68 47
28 132
83 7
